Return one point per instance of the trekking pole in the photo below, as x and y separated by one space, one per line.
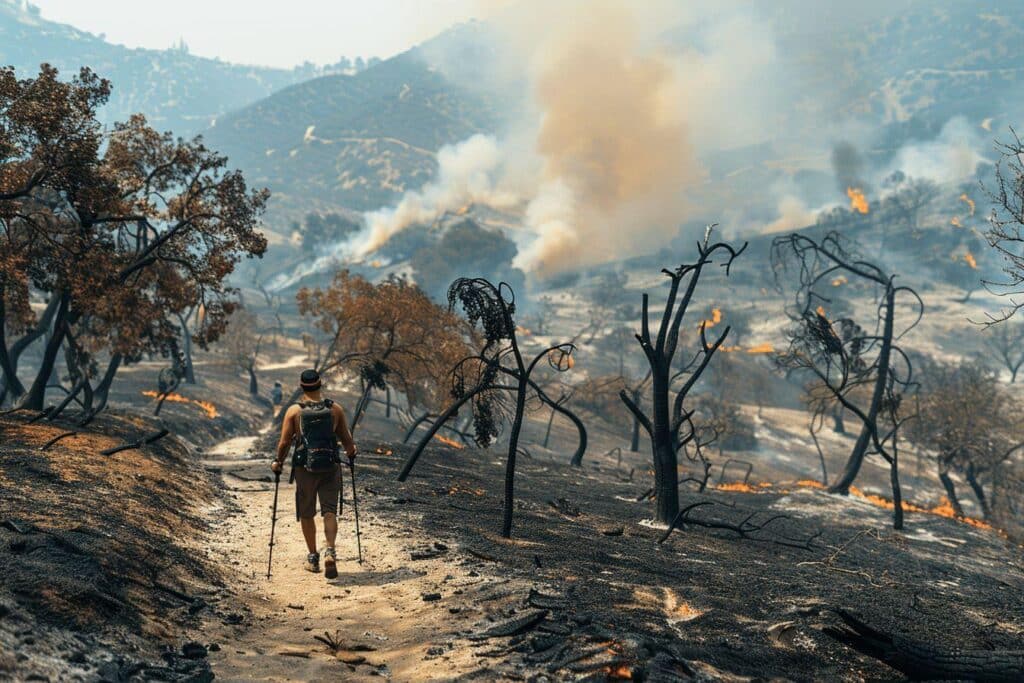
273 522
355 507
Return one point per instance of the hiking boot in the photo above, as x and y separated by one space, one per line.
330 564
313 563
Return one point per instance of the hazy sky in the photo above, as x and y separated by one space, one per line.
280 33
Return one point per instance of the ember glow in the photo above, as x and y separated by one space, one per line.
839 281
858 202
967 200
449 442
955 222
971 261
206 406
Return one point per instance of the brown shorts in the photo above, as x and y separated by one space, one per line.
311 486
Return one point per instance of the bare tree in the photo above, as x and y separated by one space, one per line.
668 418
971 425
242 342
1006 222
1006 342
477 379
863 370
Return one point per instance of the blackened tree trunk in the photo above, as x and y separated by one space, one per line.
513 449
186 338
35 396
947 484
979 492
838 425
254 385
856 459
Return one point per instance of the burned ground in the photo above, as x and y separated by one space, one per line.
743 606
96 551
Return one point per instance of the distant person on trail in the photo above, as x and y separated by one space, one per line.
316 425
276 396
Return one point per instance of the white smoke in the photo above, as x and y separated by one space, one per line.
469 172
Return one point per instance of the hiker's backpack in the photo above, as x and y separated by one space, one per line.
317 450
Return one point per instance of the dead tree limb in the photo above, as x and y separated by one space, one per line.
46 446
144 441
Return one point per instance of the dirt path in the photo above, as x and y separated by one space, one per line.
377 609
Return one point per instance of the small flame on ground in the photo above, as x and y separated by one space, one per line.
967 200
520 330
858 202
839 281
381 450
206 406
449 442
955 222
971 261
943 509
820 310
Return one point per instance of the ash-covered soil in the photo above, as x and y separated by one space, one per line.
584 589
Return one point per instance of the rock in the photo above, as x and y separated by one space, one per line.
435 651
232 618
431 597
214 647
197 606
193 650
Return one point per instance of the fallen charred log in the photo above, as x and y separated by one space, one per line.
919 661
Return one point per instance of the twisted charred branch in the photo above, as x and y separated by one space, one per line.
144 441
919 661
665 423
46 446
748 469
744 529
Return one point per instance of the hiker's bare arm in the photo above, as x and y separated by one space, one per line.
343 433
287 434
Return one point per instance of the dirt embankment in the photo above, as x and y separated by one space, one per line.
100 577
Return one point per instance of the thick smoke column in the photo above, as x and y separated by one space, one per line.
613 139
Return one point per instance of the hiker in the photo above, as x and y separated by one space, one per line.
276 396
316 424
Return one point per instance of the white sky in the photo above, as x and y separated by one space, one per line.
281 33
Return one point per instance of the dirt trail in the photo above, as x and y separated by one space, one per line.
377 609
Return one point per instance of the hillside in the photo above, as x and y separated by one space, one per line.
354 141
175 90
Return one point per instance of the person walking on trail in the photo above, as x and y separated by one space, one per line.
276 396
316 425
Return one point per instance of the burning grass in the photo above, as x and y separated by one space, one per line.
943 509
205 406
451 443
858 202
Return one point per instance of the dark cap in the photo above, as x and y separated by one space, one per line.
309 380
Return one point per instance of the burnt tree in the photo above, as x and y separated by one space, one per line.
478 379
668 416
863 370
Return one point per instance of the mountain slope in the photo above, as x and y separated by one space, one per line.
175 90
355 141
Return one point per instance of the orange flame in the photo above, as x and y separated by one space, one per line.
206 406
761 348
716 317
820 310
967 200
839 281
858 202
381 450
955 222
449 442
943 509
971 261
